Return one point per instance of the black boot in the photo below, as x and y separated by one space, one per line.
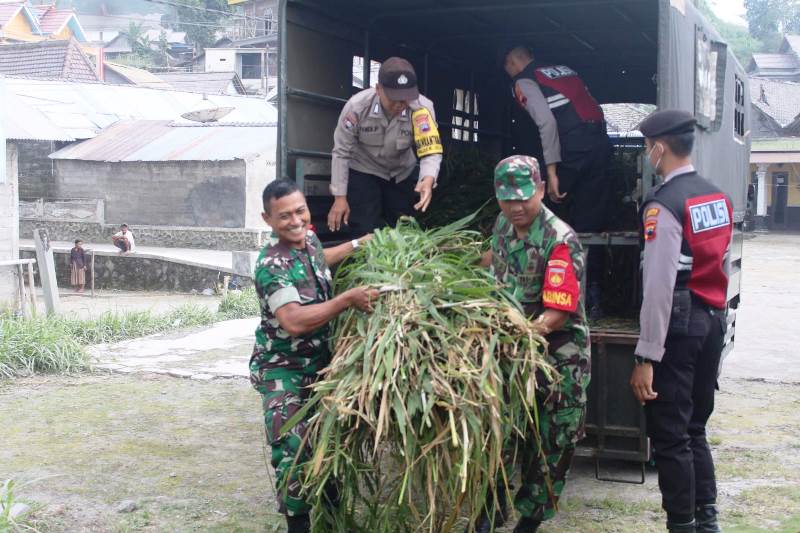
527 525
484 523
681 527
706 517
298 524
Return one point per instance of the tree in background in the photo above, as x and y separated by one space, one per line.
200 19
740 40
768 20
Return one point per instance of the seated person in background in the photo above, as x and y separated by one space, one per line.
123 239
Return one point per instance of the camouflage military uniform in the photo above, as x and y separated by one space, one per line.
544 270
282 367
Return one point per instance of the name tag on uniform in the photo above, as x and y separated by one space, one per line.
709 215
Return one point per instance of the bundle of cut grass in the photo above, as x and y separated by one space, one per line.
425 396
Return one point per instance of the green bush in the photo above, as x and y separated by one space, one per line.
239 304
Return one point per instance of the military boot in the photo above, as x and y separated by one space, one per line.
527 525
706 516
298 524
682 527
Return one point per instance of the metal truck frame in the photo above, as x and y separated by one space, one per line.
660 52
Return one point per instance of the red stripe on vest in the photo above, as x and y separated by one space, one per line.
707 228
565 81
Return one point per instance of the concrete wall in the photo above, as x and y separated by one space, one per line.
169 237
36 173
180 193
9 220
221 60
133 273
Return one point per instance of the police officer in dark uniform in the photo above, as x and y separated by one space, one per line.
687 227
575 146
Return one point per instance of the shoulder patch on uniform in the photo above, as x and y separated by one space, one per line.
650 229
520 96
652 212
350 121
709 215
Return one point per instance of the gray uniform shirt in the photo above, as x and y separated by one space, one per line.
367 141
661 262
530 96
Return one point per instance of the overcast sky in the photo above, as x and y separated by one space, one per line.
729 10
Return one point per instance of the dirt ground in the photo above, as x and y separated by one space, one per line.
85 306
190 453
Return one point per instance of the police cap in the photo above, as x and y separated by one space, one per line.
667 122
398 79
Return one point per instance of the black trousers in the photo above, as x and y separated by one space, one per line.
685 381
376 202
583 176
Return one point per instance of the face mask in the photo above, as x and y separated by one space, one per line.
658 162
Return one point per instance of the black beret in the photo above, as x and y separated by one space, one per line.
667 122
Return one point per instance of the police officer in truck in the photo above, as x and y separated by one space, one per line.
576 150
687 233
380 134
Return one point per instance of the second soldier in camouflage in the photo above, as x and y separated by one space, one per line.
537 257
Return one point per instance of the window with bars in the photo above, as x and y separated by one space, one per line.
739 109
465 116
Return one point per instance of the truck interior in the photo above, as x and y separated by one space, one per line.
331 50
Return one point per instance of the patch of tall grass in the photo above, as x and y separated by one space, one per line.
55 344
239 304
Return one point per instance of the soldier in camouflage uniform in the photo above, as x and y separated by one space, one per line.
293 282
539 259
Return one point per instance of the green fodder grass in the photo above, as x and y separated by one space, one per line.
42 345
239 304
55 344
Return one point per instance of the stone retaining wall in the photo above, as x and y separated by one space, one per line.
169 237
140 274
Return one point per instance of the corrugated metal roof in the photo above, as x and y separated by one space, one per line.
22 122
84 109
161 140
138 76
203 82
776 61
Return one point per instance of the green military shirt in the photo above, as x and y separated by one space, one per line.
545 270
284 275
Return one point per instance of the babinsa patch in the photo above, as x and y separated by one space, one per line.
709 215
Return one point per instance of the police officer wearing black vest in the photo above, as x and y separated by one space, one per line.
575 147
687 227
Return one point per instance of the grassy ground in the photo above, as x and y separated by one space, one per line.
190 455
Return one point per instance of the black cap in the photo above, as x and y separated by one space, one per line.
667 122
398 79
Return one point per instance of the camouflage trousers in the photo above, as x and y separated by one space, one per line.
562 414
558 428
283 393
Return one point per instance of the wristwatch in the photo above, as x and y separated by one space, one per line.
355 244
641 360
